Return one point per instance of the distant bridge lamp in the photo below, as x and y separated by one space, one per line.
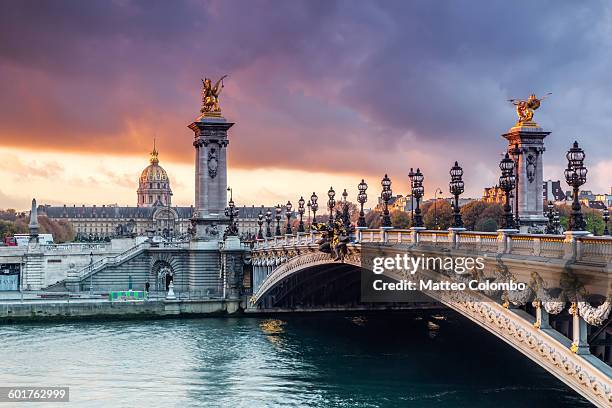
260 221
314 206
456 187
418 191
331 203
268 218
288 207
385 195
362 197
606 218
507 182
278 218
575 176
301 210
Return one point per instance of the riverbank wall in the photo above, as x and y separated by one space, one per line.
13 312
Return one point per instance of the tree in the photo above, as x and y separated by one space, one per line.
373 219
479 211
438 216
400 219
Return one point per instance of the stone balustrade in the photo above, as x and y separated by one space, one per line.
578 248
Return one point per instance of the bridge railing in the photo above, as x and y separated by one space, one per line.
581 248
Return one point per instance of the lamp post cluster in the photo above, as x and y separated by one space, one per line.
507 182
606 218
385 195
456 187
575 176
516 154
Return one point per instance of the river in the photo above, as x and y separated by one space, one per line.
381 360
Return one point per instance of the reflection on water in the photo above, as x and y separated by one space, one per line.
316 360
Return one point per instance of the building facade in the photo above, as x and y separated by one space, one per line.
152 215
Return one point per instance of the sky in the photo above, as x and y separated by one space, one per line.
323 93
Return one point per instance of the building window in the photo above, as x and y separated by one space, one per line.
150 185
150 199
157 185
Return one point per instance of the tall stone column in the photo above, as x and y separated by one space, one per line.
529 138
210 142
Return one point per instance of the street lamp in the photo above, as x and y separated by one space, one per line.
301 212
436 207
278 218
606 217
362 197
417 191
507 182
331 203
516 154
550 214
268 222
386 196
260 221
575 176
315 206
288 207
456 187
411 177
231 212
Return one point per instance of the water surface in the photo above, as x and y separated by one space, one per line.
397 360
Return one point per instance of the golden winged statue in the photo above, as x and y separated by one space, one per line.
210 95
525 108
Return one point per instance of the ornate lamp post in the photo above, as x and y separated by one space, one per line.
557 222
301 203
516 154
386 196
417 192
331 203
314 206
362 197
260 221
575 176
231 212
278 218
268 222
456 187
507 182
550 214
606 217
436 226
288 207
411 177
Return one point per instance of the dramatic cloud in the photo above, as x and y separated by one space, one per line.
345 88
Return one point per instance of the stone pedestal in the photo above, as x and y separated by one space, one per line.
210 142
530 140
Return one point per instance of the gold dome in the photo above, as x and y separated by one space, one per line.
153 172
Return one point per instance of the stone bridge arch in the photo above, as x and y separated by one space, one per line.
580 370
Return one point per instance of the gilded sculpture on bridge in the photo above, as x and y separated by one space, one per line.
334 238
526 108
210 96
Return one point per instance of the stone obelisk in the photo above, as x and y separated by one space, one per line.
210 142
528 137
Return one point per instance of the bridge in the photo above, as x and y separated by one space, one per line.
569 337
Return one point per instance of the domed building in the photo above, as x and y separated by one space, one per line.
154 185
